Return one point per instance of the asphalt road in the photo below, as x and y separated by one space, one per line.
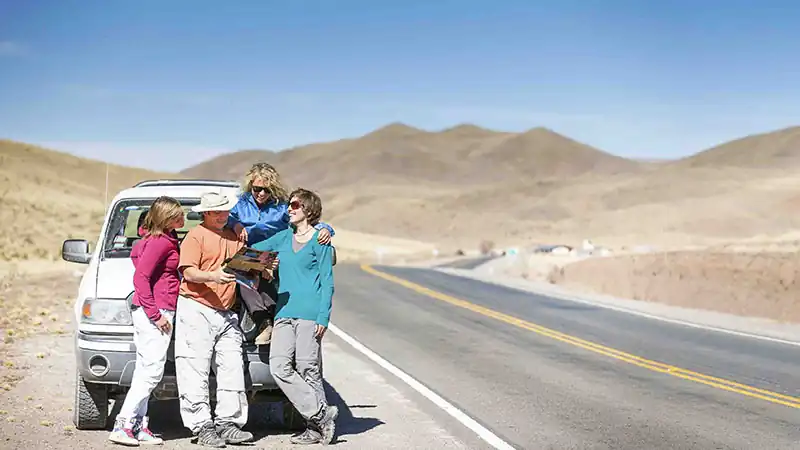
469 263
536 389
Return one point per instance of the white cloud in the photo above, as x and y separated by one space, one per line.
11 48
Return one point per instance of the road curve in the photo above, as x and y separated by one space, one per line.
547 373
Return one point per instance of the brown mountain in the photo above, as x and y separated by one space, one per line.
229 166
401 154
776 149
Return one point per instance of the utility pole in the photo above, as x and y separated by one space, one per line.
106 194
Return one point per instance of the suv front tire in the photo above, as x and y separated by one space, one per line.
90 411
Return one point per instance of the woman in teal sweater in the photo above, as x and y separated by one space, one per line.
302 313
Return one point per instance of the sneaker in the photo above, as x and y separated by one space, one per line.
123 433
233 434
265 333
208 436
144 435
307 437
327 425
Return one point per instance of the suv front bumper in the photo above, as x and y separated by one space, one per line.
111 359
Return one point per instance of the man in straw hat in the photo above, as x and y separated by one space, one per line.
206 326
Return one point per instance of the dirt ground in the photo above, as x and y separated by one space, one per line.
752 284
37 379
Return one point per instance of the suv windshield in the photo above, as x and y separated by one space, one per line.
123 229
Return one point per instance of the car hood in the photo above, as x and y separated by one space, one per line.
115 278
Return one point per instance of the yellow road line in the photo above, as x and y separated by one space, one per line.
719 383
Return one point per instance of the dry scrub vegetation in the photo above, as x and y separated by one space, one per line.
49 196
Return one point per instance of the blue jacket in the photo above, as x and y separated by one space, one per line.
262 222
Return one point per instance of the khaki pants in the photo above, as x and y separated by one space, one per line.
206 338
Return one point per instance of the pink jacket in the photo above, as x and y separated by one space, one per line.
156 282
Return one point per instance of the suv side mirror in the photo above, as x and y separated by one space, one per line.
76 250
194 216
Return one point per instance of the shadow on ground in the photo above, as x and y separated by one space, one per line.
347 423
265 418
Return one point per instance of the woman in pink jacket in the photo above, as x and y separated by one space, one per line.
156 283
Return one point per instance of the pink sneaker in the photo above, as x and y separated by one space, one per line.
123 433
144 435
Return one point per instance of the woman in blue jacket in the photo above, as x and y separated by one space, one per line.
261 212
262 209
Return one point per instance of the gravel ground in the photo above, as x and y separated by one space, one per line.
36 399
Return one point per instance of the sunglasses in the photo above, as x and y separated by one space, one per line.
295 205
259 189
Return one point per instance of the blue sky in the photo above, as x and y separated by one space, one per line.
165 85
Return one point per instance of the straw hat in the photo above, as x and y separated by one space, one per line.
214 201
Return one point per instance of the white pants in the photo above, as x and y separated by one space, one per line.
151 355
206 338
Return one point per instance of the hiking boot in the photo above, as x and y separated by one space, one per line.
233 434
144 435
123 433
265 333
208 436
307 437
326 425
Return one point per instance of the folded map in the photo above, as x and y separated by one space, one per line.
249 259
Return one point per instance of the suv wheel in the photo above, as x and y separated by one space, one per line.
90 411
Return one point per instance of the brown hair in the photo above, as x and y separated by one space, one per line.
163 211
268 173
311 203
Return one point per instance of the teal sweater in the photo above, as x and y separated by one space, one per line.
305 278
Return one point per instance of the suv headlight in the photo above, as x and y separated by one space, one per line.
106 311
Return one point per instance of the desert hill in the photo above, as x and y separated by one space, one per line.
452 188
399 154
463 184
48 196
776 149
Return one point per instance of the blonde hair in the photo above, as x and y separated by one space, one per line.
162 212
267 173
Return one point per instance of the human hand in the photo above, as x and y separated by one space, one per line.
222 277
164 325
240 231
324 236
320 331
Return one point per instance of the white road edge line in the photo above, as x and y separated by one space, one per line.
634 312
484 433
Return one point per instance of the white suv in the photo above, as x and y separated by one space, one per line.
104 347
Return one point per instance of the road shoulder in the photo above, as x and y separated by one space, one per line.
37 411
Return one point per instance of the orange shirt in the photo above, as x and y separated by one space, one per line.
206 249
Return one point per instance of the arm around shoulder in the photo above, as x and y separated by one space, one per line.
271 244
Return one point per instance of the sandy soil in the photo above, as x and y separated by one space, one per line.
752 284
